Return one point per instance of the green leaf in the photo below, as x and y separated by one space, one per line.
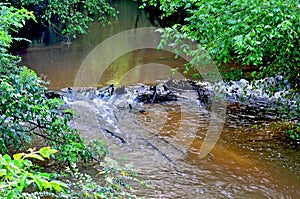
45 175
58 185
38 182
10 194
18 156
27 163
2 172
46 184
35 156
45 152
23 181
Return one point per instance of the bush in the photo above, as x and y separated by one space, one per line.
242 33
260 33
19 174
25 112
112 182
68 18
22 178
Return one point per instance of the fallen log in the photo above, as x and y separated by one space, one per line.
115 135
157 149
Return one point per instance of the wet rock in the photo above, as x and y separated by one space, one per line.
183 85
52 95
241 92
91 93
120 90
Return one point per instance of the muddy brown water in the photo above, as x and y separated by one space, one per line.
252 159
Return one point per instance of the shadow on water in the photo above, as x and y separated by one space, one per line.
251 159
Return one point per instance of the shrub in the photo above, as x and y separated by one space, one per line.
240 33
112 181
25 112
68 18
19 174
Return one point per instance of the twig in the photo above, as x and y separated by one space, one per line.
154 94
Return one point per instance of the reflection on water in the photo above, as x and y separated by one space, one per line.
141 66
250 160
60 62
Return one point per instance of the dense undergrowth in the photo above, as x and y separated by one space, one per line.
26 114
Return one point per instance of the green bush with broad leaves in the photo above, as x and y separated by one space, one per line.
18 174
21 177
113 181
68 18
25 111
263 35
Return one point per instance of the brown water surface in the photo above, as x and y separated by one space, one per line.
249 160
60 62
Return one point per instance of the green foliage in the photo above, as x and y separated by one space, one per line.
98 149
240 33
112 182
25 112
18 174
11 20
68 17
22 178
293 130
261 33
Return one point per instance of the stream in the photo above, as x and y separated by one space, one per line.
251 159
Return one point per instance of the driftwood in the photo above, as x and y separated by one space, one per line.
157 149
115 135
122 140
167 92
159 138
203 95
164 92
